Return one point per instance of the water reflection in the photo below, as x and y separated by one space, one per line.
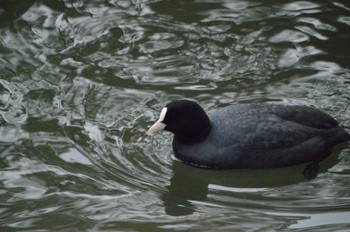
13 10
190 185
184 187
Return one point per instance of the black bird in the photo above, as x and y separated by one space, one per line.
249 136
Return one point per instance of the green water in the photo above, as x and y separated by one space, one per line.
82 81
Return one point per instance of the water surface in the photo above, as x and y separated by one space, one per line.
81 82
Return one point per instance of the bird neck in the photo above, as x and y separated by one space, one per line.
197 132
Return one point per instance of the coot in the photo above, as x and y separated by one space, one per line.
249 135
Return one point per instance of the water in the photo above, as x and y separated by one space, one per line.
81 82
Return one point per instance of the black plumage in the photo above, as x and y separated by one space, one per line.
251 135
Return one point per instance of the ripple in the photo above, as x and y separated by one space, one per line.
289 36
317 24
321 220
311 32
159 42
74 156
13 110
292 56
344 19
300 6
11 134
5 96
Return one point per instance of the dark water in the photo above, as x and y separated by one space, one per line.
81 82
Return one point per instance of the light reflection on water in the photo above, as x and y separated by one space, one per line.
81 82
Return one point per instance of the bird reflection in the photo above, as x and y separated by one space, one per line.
184 187
189 184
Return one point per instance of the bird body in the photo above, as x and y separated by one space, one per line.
250 135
